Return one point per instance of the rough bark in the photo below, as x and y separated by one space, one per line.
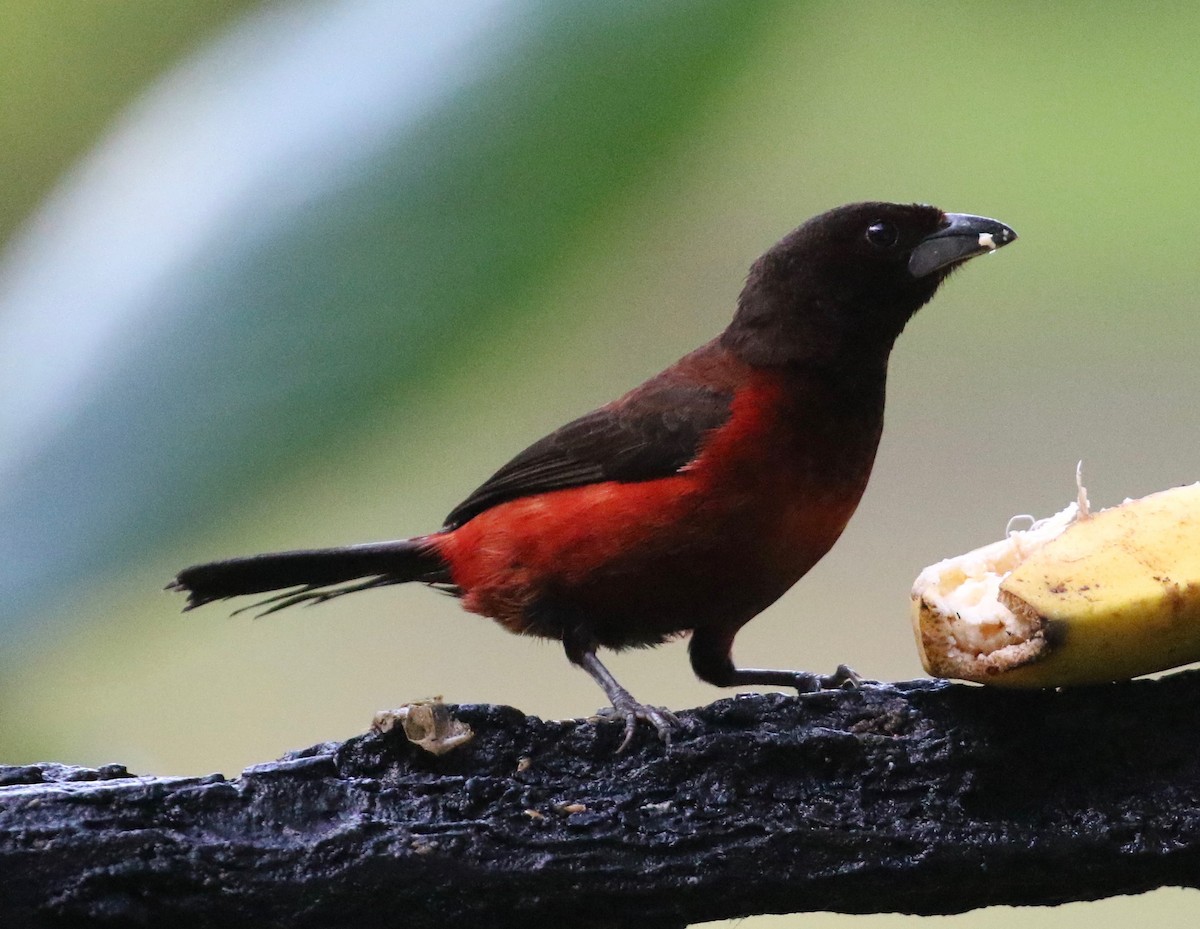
922 797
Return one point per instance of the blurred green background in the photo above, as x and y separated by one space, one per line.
296 274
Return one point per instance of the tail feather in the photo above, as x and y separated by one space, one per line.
316 572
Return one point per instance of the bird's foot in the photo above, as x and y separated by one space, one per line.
624 707
628 709
844 678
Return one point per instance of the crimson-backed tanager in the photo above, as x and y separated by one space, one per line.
694 501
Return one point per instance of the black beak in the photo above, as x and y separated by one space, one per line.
964 236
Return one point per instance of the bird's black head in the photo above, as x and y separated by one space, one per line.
845 283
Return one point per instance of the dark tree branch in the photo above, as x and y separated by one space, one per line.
920 798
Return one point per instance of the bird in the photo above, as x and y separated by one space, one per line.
691 503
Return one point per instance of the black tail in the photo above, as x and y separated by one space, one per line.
315 572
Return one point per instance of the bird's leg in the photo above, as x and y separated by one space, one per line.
625 707
713 662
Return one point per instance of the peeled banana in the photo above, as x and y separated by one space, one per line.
1077 598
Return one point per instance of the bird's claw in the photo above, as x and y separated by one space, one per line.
629 710
843 678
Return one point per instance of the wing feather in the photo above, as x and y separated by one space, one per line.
651 433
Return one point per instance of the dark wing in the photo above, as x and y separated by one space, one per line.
649 434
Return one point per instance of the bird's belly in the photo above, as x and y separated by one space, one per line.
638 562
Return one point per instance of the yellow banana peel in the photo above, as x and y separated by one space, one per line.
1078 598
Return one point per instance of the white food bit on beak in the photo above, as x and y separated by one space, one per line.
986 241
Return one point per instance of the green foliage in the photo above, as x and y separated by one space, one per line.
314 212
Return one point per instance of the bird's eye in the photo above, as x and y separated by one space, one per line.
882 235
